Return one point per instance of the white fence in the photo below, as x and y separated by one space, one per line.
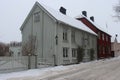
10 64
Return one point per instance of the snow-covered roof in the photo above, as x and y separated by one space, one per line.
65 19
114 39
96 25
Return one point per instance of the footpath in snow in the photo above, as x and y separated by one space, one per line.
108 69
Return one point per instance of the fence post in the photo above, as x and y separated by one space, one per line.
29 61
35 61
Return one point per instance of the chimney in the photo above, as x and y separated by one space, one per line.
62 10
92 18
84 13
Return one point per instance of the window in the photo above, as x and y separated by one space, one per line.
65 34
92 42
102 36
106 49
37 17
74 52
82 39
99 35
65 52
73 36
88 52
106 38
88 41
18 53
100 49
109 50
103 50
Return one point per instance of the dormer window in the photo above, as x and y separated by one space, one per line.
37 17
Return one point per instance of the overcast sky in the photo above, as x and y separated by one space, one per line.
14 12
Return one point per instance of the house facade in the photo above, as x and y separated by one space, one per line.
103 40
57 36
115 47
15 49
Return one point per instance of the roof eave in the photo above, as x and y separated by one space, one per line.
82 16
77 28
36 4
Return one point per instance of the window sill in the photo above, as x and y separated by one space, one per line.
65 41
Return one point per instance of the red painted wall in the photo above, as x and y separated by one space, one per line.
104 45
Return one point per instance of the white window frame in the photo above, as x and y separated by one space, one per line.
65 52
73 36
65 34
106 38
74 52
36 16
103 37
99 35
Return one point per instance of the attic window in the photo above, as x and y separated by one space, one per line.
37 17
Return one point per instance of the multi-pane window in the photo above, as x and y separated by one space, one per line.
100 49
99 35
106 38
106 49
103 49
37 17
82 39
88 40
73 36
102 36
65 52
88 52
92 42
109 50
65 34
74 52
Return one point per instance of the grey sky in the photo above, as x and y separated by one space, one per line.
13 13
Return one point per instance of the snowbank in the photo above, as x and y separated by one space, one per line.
96 70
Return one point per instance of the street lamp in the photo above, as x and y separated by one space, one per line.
56 37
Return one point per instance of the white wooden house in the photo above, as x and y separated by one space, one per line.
58 35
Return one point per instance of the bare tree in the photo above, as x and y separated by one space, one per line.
30 47
4 50
117 11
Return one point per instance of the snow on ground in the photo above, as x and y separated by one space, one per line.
108 69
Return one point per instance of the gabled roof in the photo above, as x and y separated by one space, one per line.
96 25
59 17
114 39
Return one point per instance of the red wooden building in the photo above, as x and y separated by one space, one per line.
104 39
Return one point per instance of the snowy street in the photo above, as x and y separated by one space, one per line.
108 69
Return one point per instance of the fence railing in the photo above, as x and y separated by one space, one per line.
9 64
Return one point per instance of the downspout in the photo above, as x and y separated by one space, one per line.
42 33
55 55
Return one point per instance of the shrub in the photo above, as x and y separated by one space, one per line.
80 54
92 52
